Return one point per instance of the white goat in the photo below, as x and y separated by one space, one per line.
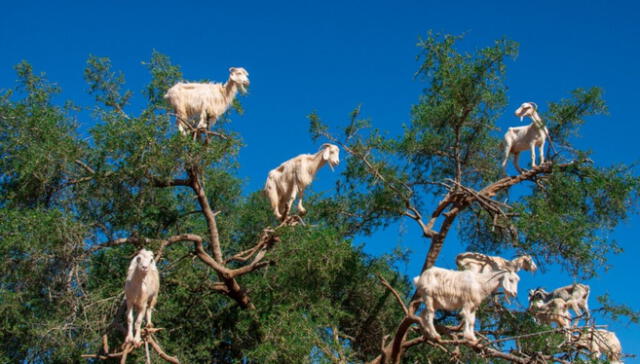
444 289
556 310
205 100
576 295
289 180
481 263
599 341
141 292
518 139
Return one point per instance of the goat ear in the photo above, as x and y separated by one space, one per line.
232 69
535 106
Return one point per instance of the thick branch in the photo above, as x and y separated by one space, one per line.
437 241
163 355
208 213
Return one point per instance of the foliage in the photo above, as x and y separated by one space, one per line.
77 200
445 166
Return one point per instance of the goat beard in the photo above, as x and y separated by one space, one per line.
243 89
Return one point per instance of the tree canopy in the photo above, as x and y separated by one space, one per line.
78 199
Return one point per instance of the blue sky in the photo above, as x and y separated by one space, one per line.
330 57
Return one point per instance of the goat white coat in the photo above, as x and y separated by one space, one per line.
207 101
291 178
576 295
141 292
518 139
444 289
555 310
481 263
600 341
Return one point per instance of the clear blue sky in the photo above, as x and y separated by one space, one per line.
332 56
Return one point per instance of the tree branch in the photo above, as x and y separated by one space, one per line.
208 213
395 293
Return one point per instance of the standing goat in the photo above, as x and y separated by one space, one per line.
289 180
205 100
518 139
481 263
599 341
576 295
444 289
556 310
141 292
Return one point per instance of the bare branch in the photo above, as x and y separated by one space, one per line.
395 293
208 213
85 166
147 337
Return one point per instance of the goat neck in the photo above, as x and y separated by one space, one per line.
317 163
492 282
537 120
230 90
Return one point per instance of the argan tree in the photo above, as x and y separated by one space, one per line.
80 194
444 168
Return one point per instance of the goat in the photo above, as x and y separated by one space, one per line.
141 292
576 295
205 100
481 263
599 341
289 180
444 289
521 138
555 310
